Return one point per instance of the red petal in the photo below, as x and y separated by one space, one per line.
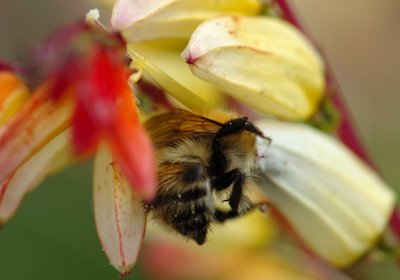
106 109
134 153
85 135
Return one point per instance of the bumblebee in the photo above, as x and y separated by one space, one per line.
199 160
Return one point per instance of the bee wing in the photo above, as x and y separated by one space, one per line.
177 124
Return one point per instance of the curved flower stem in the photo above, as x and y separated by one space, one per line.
346 130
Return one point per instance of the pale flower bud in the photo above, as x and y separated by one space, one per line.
264 62
335 202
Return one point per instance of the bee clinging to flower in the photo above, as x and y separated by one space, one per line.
200 159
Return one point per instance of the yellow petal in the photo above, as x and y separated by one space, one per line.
13 93
251 231
51 158
119 214
38 121
144 20
165 55
186 94
264 62
337 204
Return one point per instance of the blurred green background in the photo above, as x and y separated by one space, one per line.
53 234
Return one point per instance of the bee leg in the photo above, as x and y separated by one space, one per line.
234 176
221 216
224 181
237 191
234 199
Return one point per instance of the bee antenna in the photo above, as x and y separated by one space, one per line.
269 139
253 129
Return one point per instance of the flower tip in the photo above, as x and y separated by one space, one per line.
124 274
190 59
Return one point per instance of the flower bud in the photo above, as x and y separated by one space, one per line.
336 203
263 62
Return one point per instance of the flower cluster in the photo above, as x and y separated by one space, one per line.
81 99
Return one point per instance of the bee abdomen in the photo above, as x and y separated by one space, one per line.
179 198
194 173
193 224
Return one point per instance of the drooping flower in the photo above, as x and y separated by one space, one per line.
83 101
87 88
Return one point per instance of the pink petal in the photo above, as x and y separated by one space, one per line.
52 157
126 12
38 121
119 214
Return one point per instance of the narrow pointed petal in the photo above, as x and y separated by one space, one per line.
38 121
144 20
106 110
119 214
164 54
337 204
264 62
13 93
134 154
51 158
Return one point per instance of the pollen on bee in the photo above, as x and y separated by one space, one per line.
179 195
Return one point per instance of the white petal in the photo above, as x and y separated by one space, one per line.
51 158
119 214
335 202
